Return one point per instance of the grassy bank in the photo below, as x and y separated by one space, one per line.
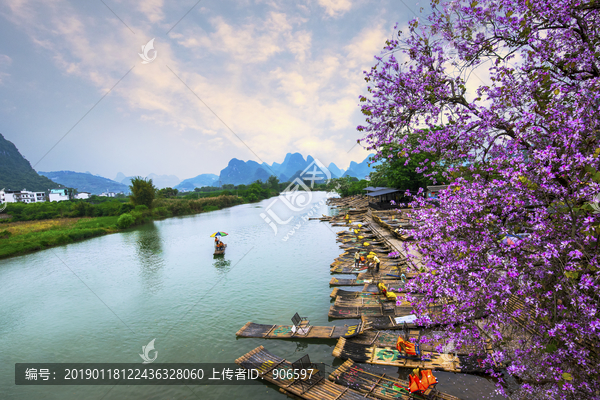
22 237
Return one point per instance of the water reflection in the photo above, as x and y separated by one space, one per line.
149 253
221 265
301 346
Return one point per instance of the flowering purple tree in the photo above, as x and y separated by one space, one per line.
506 94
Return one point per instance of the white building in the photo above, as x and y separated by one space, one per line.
60 194
21 196
83 195
108 194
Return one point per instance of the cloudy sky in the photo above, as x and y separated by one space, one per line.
250 79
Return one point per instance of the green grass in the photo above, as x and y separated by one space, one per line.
30 236
22 237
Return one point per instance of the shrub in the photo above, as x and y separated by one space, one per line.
125 221
125 208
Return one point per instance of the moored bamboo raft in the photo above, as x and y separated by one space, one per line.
373 308
386 273
252 330
348 282
384 322
380 386
388 355
391 285
315 388
372 291
372 300
389 338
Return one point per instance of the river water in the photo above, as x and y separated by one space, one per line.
101 300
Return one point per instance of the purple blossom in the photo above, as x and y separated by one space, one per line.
523 154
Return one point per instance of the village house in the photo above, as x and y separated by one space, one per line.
21 196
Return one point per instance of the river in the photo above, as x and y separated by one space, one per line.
102 299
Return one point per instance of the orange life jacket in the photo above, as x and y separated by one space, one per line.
407 347
427 378
415 384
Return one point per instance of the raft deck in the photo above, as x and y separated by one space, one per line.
380 386
388 355
252 330
348 282
313 389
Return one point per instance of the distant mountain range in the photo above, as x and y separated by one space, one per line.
16 172
86 182
198 181
237 172
160 181
245 172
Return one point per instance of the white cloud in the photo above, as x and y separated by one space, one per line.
334 8
278 86
152 9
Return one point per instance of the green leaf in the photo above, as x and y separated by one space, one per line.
572 274
551 347
567 377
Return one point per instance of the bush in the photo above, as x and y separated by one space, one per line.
125 208
211 208
141 208
161 212
125 221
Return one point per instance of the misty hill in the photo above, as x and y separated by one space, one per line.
240 172
160 181
198 181
361 170
245 172
163 181
16 172
335 170
86 182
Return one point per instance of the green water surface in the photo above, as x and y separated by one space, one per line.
101 300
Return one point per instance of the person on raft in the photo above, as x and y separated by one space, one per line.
363 260
377 263
356 259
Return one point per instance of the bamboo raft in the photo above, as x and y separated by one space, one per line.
388 355
349 294
371 299
374 308
316 388
389 339
384 322
392 286
380 386
348 282
386 273
220 251
252 330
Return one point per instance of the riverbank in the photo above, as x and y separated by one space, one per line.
18 238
